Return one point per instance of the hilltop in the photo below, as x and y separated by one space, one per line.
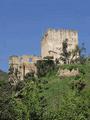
49 97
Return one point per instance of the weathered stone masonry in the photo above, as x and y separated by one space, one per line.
51 45
23 64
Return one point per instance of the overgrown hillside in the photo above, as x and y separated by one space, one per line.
48 97
3 77
60 86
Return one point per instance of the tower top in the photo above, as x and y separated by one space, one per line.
62 29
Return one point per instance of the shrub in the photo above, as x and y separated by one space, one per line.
44 66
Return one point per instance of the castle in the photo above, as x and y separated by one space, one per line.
23 65
51 45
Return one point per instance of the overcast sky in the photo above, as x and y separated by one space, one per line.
23 23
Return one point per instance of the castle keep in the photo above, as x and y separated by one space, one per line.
51 45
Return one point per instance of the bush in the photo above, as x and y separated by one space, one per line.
78 85
44 66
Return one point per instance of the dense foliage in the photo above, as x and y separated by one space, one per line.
48 96
45 66
25 101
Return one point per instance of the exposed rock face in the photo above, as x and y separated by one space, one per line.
68 73
51 44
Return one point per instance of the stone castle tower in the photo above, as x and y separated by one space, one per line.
51 44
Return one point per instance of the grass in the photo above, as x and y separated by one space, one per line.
61 86
58 87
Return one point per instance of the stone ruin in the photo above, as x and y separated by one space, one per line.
22 65
51 45
68 73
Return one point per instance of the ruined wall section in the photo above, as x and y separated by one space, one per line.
23 64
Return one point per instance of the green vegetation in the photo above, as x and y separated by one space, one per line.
3 77
68 98
48 96
45 66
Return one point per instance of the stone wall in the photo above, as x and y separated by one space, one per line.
68 73
51 44
23 64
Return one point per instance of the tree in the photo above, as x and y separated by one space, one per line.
26 102
65 55
78 54
45 66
